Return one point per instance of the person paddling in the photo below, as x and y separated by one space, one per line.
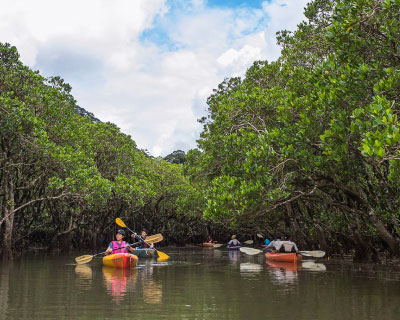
233 242
275 244
288 245
141 241
119 246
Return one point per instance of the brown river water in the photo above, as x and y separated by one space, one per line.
197 283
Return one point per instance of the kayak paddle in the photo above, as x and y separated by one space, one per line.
315 253
218 245
248 242
250 251
87 258
155 238
161 255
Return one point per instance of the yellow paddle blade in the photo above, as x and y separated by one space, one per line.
155 238
162 256
248 242
83 259
119 222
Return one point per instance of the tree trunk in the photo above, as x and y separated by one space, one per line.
392 243
8 212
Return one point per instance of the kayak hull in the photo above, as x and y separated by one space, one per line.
207 245
120 260
233 247
144 253
283 257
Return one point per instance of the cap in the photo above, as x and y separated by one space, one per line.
121 232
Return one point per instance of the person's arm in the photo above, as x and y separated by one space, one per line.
128 247
270 244
109 249
135 236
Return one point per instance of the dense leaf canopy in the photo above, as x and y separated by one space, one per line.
309 144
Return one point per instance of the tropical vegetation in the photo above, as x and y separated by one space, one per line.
308 144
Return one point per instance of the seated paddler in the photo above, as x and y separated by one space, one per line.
119 245
141 240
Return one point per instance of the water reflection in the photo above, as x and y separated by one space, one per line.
119 281
250 271
250 267
313 266
234 256
152 292
4 286
283 272
84 276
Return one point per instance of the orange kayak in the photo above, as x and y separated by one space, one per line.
120 260
283 257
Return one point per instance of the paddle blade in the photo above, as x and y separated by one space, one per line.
162 256
315 254
248 242
250 251
119 222
155 238
260 235
83 259
217 245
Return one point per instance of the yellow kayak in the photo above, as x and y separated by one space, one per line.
120 260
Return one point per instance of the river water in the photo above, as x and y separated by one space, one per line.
197 284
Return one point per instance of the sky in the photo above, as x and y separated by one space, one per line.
147 65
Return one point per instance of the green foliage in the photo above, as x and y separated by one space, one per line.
177 157
317 128
71 174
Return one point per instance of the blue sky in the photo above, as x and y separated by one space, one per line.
147 65
235 3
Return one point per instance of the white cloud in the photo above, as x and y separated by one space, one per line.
153 90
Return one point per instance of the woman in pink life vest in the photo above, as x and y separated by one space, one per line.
119 246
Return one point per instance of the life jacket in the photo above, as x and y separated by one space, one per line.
118 248
143 245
